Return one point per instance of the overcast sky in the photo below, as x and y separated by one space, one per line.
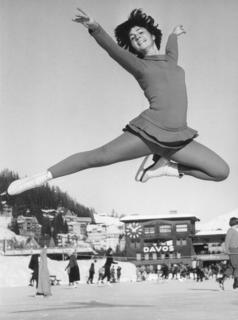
61 94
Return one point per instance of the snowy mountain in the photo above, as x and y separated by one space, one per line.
221 222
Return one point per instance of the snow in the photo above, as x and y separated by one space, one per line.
141 217
4 221
6 234
220 223
14 270
107 220
211 232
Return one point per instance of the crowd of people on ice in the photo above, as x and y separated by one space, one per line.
109 273
42 279
182 271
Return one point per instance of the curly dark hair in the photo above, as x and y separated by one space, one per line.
233 221
137 18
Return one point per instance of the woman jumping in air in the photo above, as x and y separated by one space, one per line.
161 130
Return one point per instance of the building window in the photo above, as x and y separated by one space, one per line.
181 228
138 245
147 257
181 242
138 256
154 256
149 230
184 242
165 228
135 245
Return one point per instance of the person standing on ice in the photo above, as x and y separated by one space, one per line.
108 264
44 286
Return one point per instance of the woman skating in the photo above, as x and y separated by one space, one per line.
160 130
73 270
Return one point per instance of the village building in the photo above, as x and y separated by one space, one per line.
29 227
106 232
154 238
6 210
77 225
209 246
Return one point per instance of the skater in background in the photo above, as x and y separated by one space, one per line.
44 286
91 273
231 248
161 130
113 274
118 274
108 264
225 272
200 275
34 266
101 272
73 270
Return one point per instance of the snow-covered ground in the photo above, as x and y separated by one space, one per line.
14 271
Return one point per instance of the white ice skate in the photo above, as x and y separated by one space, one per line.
142 168
163 167
24 184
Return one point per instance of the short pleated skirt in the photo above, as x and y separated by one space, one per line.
165 138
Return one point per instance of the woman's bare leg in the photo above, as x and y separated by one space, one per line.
200 162
126 147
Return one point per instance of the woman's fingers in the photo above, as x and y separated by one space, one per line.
82 11
82 14
78 20
182 28
179 29
82 18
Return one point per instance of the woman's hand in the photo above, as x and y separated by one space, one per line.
178 30
85 20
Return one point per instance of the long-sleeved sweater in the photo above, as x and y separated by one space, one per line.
231 241
163 83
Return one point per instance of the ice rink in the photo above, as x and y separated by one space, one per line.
151 300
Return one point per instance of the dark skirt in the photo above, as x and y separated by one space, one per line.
162 148
74 274
157 132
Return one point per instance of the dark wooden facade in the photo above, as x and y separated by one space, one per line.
153 239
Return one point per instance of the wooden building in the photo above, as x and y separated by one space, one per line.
151 239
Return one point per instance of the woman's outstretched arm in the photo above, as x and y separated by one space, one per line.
87 21
125 58
172 43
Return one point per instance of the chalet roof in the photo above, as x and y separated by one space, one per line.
210 232
168 216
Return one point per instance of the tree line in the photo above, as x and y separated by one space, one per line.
45 197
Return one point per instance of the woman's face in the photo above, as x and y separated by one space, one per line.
141 39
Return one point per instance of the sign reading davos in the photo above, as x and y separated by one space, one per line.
166 246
